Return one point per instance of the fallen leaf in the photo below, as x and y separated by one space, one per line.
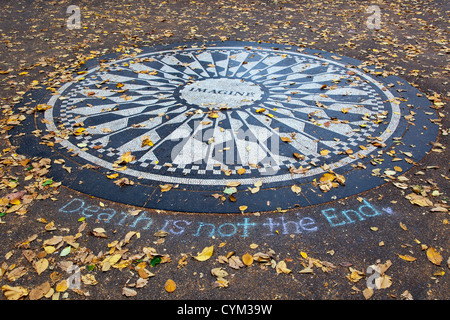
205 254
170 285
235 263
419 200
14 293
296 189
241 171
126 157
128 292
407 258
165 187
434 256
40 291
219 272
247 259
61 286
282 268
367 293
41 265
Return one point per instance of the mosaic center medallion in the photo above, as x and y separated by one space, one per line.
203 118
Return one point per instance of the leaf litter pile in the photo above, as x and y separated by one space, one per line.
412 43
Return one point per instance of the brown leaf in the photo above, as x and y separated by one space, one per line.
41 265
282 268
128 292
235 263
16 273
40 291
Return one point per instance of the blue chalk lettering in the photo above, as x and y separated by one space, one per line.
305 225
106 217
370 208
202 224
93 209
246 224
331 217
142 217
72 206
123 219
181 229
223 234
271 225
357 213
285 225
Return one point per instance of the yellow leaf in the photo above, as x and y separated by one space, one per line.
170 285
439 273
243 208
146 142
205 254
304 255
61 286
43 107
15 201
247 259
241 171
261 110
434 256
324 152
213 115
327 177
14 293
285 139
407 258
127 157
79 131
165 187
296 189
49 249
112 176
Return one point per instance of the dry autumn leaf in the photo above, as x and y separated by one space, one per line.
281 267
128 292
41 265
62 286
434 256
170 285
205 254
296 189
14 293
247 259
165 187
407 258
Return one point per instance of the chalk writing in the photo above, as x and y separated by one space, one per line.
336 218
285 224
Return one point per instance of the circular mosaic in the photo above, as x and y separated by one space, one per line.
227 125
